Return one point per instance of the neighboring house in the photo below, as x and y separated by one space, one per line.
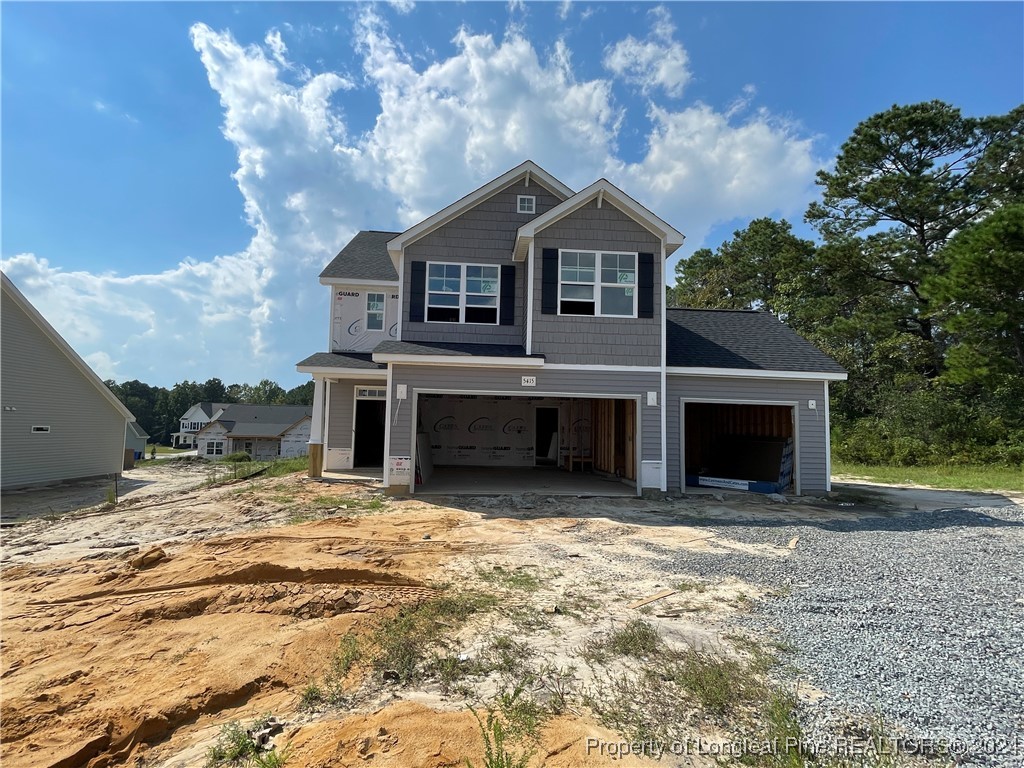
59 420
135 439
530 330
262 431
193 420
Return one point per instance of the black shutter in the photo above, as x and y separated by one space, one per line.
549 282
418 288
507 313
645 284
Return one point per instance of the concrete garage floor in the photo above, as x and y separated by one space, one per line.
548 481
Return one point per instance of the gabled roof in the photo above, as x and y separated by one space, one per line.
364 258
600 190
211 409
528 170
136 430
11 293
741 339
241 420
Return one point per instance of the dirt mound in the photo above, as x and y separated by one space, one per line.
101 657
411 735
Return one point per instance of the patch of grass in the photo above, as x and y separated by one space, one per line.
957 478
233 745
496 754
523 715
516 578
416 633
164 449
330 691
690 586
637 639
507 656
718 683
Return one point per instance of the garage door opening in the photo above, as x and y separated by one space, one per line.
740 446
509 444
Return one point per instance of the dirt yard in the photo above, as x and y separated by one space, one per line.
369 626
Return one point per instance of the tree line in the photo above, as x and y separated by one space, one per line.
158 409
915 285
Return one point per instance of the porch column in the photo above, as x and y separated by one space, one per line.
316 430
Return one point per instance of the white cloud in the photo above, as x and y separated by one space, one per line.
564 9
659 62
443 128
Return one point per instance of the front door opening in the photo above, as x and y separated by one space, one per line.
369 433
546 433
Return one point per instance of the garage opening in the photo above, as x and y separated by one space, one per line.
509 444
740 446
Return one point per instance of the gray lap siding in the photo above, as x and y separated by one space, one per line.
340 422
580 340
813 436
508 381
484 234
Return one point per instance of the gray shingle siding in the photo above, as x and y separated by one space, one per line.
87 433
598 340
509 380
485 234
813 439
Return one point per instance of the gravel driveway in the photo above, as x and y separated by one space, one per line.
916 619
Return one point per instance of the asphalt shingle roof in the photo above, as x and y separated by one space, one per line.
342 360
243 420
364 258
746 339
451 349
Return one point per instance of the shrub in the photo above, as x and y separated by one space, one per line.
237 456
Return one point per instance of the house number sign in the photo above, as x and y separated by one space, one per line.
529 381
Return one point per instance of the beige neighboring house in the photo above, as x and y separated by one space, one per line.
193 420
262 431
59 420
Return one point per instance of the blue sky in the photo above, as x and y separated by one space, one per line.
175 175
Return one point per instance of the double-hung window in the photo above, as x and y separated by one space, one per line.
598 284
215 448
462 293
375 311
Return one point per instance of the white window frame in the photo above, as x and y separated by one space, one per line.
598 284
382 312
462 295
214 448
533 204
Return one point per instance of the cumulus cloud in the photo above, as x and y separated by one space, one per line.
443 127
658 62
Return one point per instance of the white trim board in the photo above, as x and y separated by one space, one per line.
342 373
755 373
356 282
795 416
461 360
573 367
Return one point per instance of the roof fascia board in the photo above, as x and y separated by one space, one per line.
756 373
442 217
342 373
356 281
461 360
50 332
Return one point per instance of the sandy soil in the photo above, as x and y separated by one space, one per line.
131 635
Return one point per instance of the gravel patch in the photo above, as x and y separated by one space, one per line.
916 620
